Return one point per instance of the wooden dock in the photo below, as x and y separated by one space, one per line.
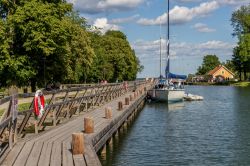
54 146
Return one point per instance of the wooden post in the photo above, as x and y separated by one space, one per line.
130 97
108 113
77 143
88 125
120 106
103 151
126 101
36 127
54 118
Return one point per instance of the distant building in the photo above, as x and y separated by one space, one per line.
220 74
198 78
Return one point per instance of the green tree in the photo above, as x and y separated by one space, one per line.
115 60
48 38
241 24
209 63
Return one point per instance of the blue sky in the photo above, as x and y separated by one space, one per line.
198 28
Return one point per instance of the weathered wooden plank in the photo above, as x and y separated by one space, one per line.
79 160
91 157
12 156
67 157
35 154
56 154
52 148
47 148
24 154
45 154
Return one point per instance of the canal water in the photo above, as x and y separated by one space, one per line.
215 131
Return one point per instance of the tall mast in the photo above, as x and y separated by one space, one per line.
168 45
160 50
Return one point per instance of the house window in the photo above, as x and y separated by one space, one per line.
222 72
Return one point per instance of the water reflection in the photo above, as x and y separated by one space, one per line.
175 106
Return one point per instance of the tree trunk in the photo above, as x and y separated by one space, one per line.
33 85
245 73
240 74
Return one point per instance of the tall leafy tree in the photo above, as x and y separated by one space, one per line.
48 39
209 63
115 60
241 24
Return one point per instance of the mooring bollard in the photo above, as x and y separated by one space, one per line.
77 143
88 125
108 113
126 101
120 106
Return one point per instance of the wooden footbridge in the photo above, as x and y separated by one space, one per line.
78 121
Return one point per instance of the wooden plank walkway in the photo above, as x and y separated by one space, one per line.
53 147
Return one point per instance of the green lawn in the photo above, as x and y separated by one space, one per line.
21 107
242 84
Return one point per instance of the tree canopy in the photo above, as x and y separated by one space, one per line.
43 41
209 63
115 60
241 54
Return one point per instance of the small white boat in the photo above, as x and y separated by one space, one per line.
164 92
191 97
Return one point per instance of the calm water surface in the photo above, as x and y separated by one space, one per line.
215 131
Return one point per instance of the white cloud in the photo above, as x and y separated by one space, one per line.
99 6
233 2
181 15
124 20
203 28
150 49
185 57
223 2
186 1
118 3
104 25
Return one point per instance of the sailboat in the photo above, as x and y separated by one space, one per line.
166 89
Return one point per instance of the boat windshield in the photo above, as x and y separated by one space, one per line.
170 84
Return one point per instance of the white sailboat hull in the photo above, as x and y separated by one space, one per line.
170 95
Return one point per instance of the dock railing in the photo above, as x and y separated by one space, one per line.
61 106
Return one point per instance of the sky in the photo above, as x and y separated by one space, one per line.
197 28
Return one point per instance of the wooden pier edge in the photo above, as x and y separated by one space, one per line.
100 139
94 139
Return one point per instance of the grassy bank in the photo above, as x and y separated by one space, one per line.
242 84
229 83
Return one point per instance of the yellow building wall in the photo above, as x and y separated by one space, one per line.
223 72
